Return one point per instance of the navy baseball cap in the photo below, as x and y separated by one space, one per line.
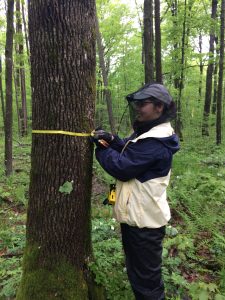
149 90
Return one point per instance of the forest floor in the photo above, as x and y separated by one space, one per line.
194 247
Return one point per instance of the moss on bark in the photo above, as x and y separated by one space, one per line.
58 280
55 279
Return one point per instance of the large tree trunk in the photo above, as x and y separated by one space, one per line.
62 46
220 80
148 41
209 75
8 84
107 92
158 63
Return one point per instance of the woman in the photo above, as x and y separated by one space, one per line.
141 164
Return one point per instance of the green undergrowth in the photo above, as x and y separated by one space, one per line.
13 203
194 247
197 200
108 267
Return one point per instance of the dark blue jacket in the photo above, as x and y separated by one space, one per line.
141 164
146 159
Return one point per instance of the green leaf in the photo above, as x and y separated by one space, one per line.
66 188
171 231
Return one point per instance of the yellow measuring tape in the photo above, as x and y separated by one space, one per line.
62 132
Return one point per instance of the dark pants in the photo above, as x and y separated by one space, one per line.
143 250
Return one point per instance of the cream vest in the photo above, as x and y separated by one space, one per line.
144 204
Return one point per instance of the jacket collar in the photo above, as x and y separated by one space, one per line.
142 127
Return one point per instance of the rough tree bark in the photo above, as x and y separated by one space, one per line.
220 79
209 74
8 84
148 41
62 46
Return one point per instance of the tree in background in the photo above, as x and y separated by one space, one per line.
25 31
215 77
8 84
62 46
148 41
106 90
158 50
201 66
209 74
1 93
178 121
122 56
19 67
174 36
220 79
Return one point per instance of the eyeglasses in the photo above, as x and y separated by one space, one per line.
140 103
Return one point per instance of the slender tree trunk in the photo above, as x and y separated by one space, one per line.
25 32
16 66
8 80
209 75
148 41
158 63
201 67
175 58
99 102
215 78
140 21
20 72
24 100
220 80
107 91
1 93
62 45
17 95
178 122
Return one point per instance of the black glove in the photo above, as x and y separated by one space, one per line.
101 138
103 135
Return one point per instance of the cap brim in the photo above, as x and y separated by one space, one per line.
157 91
140 96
